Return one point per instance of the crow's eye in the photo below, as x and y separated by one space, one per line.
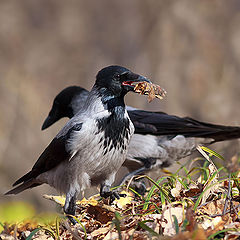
122 75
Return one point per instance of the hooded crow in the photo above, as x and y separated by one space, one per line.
92 146
159 138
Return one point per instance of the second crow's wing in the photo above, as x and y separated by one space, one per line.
159 123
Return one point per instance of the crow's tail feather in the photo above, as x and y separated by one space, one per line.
216 132
26 185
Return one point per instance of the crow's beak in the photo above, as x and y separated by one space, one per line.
142 79
48 122
133 82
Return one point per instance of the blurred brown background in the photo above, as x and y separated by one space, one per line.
191 48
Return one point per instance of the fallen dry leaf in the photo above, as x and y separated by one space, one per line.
123 201
112 236
191 192
61 200
100 214
177 190
4 236
211 223
168 223
57 199
100 231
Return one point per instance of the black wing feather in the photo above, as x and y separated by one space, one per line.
160 123
53 155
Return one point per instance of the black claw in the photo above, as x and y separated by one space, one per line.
105 192
122 195
116 195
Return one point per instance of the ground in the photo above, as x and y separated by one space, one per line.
175 207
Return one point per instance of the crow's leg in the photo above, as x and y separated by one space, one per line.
132 174
138 185
70 206
105 190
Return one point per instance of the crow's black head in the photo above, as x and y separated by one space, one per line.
62 105
118 80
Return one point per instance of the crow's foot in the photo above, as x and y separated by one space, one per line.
106 192
139 186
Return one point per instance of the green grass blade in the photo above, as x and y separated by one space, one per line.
117 223
182 183
57 228
163 199
176 224
145 227
84 229
33 233
214 174
150 193
1 227
222 231
236 180
212 152
136 193
184 225
49 231
201 195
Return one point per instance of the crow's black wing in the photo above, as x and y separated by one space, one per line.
53 155
160 123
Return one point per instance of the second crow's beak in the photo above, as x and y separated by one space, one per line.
48 122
